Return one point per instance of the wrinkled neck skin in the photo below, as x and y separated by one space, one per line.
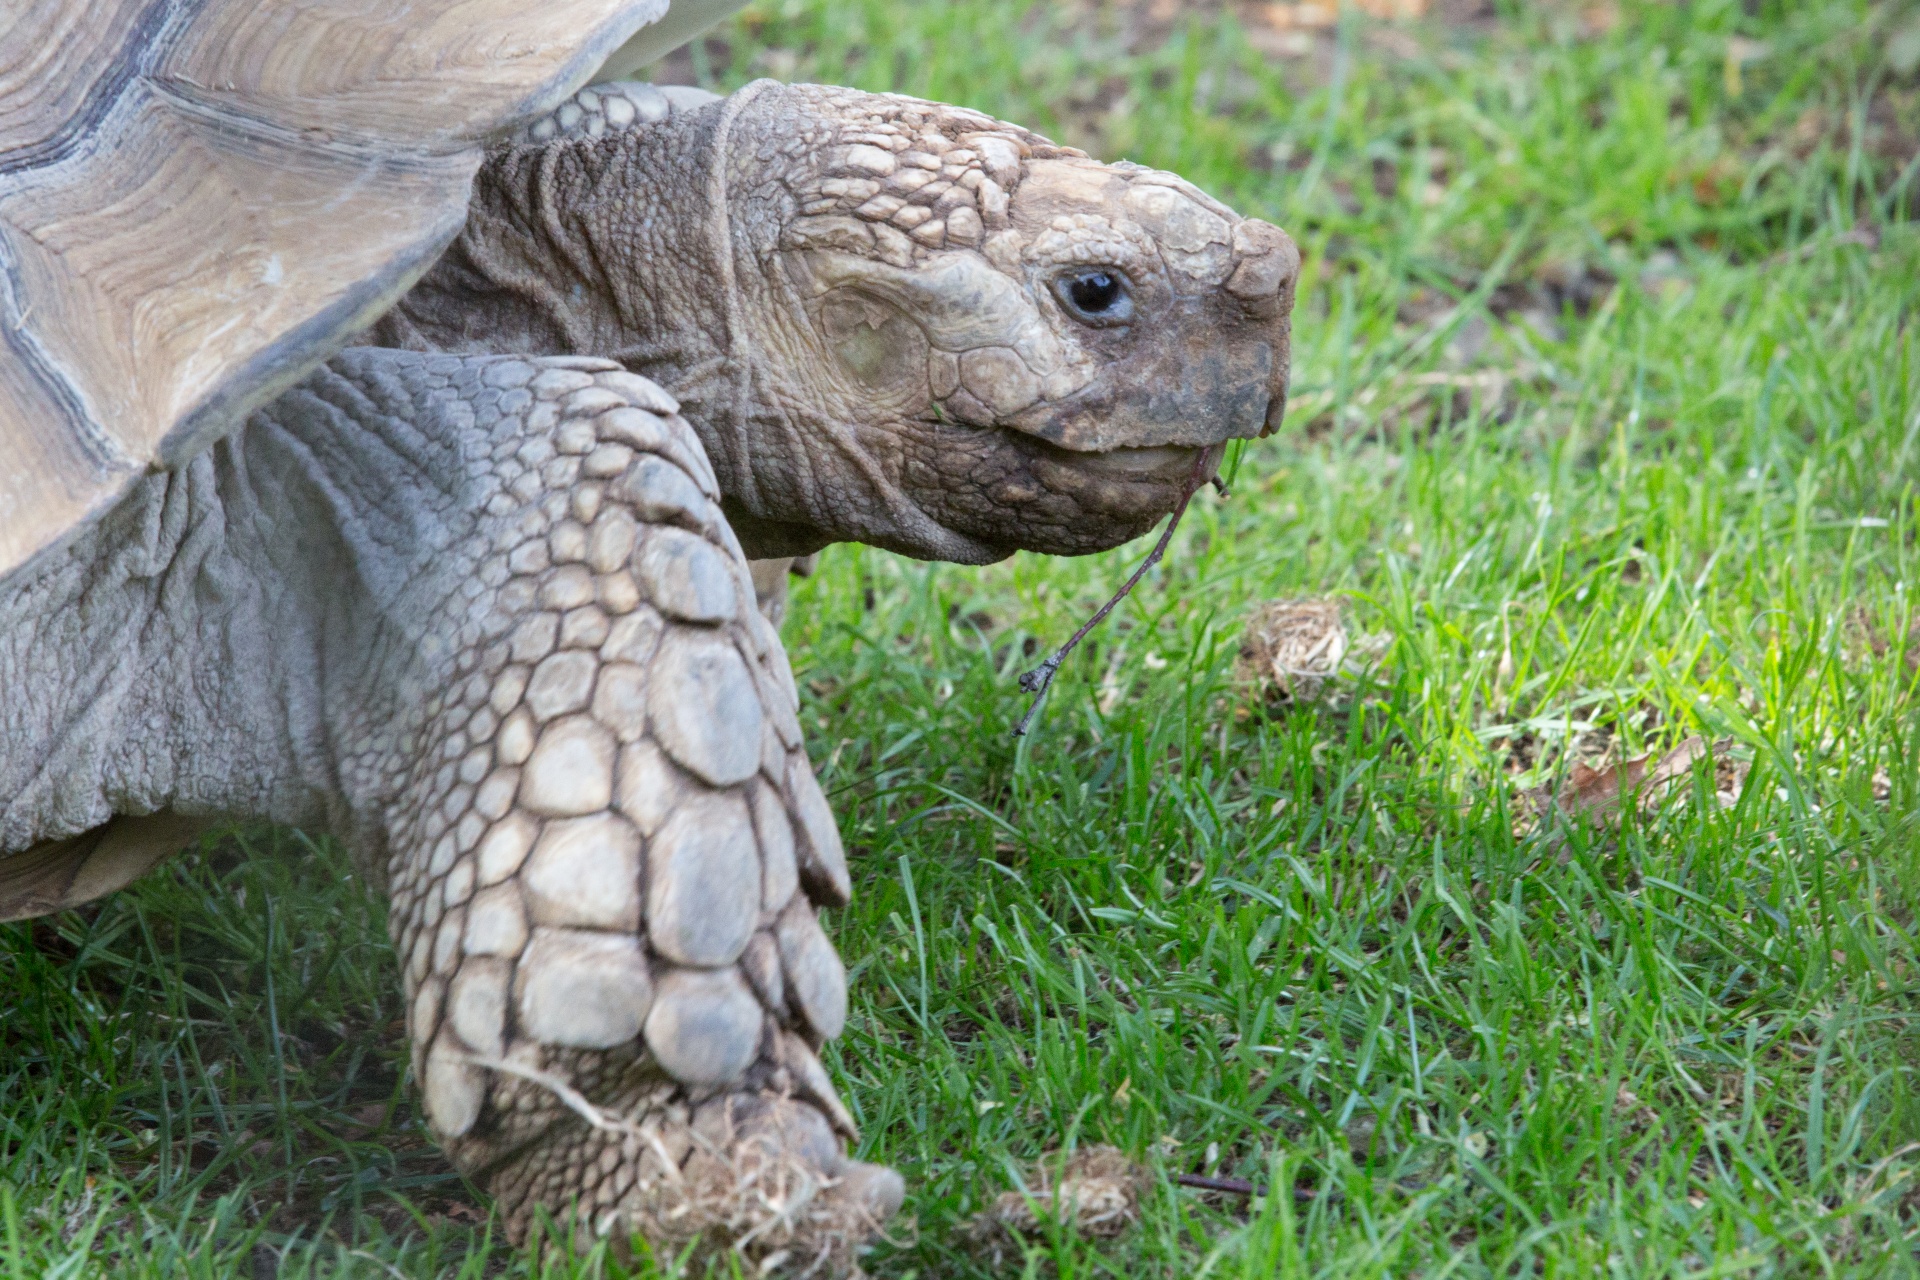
585 245
655 247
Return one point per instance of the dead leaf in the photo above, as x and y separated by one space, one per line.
1602 793
1295 646
1393 10
1599 18
1096 1189
1318 15
1301 17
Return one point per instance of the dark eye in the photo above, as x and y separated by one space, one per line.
1095 295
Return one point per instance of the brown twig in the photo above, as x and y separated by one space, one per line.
1232 1186
1238 1187
1038 680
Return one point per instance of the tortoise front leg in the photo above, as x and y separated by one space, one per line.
604 842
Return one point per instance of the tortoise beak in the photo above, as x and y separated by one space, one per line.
1266 269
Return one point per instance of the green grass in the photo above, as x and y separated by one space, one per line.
1607 427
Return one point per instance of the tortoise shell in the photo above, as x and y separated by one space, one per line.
200 200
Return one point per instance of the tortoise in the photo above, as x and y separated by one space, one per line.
407 443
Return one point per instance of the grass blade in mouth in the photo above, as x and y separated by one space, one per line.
1038 680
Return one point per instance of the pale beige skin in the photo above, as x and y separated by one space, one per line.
483 609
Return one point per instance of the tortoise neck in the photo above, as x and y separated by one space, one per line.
580 246
618 246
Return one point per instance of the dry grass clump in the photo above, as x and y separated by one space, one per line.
1095 1192
1294 648
772 1206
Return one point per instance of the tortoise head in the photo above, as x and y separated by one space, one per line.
890 321
983 342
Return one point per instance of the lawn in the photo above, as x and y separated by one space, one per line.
1605 434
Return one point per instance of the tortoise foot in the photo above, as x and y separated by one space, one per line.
760 1172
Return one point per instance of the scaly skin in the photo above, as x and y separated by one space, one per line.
854 297
483 619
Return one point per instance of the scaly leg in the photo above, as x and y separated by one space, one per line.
603 839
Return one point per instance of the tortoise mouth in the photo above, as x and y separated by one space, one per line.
1154 463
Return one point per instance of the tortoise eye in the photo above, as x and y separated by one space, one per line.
1095 296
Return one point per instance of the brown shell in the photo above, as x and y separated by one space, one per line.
201 199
